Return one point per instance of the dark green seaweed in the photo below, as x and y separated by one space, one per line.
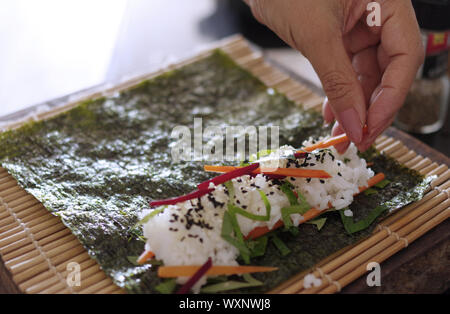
98 165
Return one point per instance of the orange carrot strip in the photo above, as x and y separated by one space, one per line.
300 173
288 172
372 181
186 271
332 141
147 255
310 214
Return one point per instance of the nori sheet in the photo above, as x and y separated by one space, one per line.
97 165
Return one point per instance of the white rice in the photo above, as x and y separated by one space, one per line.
311 281
176 241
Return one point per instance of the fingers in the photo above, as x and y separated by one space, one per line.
400 57
338 130
341 85
328 115
365 63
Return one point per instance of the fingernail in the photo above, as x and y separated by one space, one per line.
350 122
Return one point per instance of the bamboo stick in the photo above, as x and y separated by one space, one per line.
410 155
395 146
385 144
44 225
12 238
54 288
428 168
414 161
94 278
27 208
443 177
33 217
30 272
107 290
380 139
74 251
22 258
20 201
18 194
97 286
422 164
439 170
6 185
53 229
6 222
402 151
3 214
14 246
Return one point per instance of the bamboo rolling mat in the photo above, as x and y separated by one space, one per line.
36 247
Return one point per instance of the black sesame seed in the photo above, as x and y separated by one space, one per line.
322 181
339 174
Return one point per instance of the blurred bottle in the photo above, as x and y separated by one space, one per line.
426 105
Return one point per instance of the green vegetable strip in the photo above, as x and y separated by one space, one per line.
151 215
382 184
243 212
258 247
370 191
166 287
286 188
230 228
352 227
232 285
281 246
230 187
320 222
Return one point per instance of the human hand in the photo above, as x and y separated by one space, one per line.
365 71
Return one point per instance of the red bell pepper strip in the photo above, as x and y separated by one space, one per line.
228 176
179 199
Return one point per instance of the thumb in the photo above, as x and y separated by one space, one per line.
342 87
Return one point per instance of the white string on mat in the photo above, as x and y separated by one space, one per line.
338 286
30 235
396 235
329 279
440 190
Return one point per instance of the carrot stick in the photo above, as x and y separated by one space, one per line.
332 141
288 172
187 271
372 181
310 214
147 255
